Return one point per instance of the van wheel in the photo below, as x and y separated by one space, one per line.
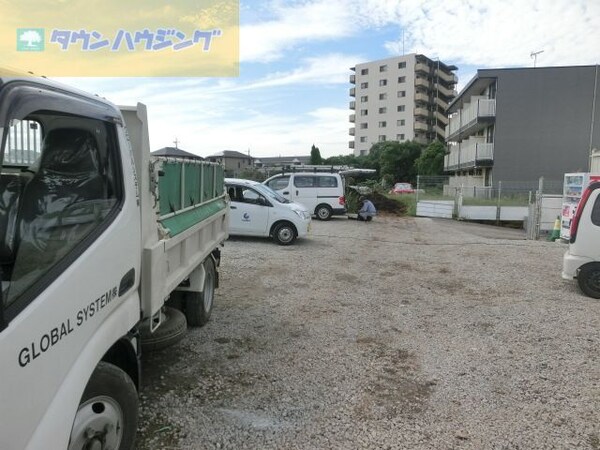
198 305
323 212
589 280
284 234
171 330
107 415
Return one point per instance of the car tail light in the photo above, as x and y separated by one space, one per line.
342 200
579 210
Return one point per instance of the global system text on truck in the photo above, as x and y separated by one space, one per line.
95 236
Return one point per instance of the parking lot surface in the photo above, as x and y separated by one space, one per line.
402 333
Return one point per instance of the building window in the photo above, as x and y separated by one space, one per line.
364 85
363 125
382 138
401 108
363 152
382 124
383 68
364 98
402 65
364 72
363 139
400 137
382 96
364 112
401 94
401 122
401 79
382 110
382 82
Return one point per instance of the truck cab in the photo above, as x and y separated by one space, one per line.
88 254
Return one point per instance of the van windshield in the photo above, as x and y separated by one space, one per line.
270 193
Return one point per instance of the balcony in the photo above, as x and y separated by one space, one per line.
469 154
441 117
420 111
350 144
445 91
422 82
353 104
421 126
352 118
352 92
473 116
447 77
420 67
353 79
421 97
351 131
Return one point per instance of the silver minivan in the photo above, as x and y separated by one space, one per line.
321 193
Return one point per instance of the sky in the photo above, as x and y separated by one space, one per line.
295 58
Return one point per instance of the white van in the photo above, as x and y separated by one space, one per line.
257 210
321 193
582 259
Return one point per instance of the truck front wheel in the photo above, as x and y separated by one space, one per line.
588 279
108 412
198 305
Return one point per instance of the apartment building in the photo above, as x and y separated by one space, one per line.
399 99
523 123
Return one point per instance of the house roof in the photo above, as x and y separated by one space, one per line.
175 152
284 159
230 154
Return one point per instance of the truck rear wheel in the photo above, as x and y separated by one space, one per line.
588 279
198 305
108 412
171 330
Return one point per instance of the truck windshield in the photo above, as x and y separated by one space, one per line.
270 193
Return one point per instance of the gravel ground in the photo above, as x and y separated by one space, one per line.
403 333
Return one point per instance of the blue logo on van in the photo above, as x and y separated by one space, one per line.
246 217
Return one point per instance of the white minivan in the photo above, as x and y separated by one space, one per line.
582 259
322 193
257 210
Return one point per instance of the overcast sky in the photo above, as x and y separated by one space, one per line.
295 58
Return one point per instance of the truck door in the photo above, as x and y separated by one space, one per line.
304 191
249 211
69 259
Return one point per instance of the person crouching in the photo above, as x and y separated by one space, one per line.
367 210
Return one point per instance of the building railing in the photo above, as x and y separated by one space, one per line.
469 154
353 104
420 67
352 92
352 78
351 131
470 113
448 77
352 118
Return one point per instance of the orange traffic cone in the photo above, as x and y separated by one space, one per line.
556 231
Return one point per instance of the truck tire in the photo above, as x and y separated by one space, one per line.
107 415
323 212
588 279
284 233
198 305
171 330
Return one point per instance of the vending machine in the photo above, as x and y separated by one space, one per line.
573 187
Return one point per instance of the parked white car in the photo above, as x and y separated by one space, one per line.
257 210
322 193
582 260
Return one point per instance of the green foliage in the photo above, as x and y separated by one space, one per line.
431 161
252 174
395 160
315 156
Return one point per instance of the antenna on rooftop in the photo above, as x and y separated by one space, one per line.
534 55
176 141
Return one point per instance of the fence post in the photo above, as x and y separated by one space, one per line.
498 203
538 204
418 186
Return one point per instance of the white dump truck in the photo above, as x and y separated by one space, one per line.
95 237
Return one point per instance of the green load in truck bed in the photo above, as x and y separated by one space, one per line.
188 192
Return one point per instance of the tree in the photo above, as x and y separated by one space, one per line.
315 156
431 161
30 37
394 160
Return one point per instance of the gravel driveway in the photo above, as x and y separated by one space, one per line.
402 333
